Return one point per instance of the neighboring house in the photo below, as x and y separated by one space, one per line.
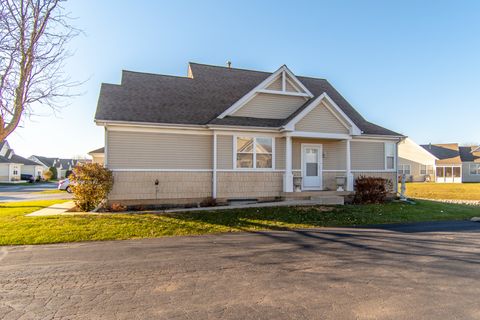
229 133
416 163
12 165
98 155
62 165
443 163
455 163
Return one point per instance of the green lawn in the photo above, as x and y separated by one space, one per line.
15 228
450 191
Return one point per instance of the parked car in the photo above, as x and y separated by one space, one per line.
27 177
64 185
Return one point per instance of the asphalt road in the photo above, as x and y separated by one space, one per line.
13 193
422 271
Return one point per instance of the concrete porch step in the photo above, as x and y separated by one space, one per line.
329 200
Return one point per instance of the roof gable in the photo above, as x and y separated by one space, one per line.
275 84
154 99
325 101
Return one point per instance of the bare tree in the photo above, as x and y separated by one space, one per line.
33 38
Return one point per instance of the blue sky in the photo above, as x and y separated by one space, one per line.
410 66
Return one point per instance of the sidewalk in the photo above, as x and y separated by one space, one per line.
56 209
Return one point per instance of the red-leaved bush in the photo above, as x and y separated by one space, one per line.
372 189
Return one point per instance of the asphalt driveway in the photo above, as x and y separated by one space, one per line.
421 271
29 192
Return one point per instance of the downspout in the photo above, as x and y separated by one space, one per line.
214 173
105 148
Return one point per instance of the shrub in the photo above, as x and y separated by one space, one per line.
117 207
68 173
371 189
208 202
90 184
47 175
54 173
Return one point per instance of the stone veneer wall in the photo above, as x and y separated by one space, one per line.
249 184
138 187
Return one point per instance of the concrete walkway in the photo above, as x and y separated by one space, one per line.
56 209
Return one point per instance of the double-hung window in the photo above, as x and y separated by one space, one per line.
426 169
404 169
254 152
475 168
389 155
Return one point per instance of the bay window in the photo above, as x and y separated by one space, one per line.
254 152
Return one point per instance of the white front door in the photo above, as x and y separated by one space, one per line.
312 166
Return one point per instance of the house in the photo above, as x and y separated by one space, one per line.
62 165
455 163
416 163
12 166
228 133
98 155
443 163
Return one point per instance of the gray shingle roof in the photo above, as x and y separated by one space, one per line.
452 153
17 159
48 161
467 154
153 98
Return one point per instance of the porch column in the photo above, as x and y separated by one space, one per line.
288 176
349 168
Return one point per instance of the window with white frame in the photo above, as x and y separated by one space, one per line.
404 169
475 168
426 169
389 155
254 152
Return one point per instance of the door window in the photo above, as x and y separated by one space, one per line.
311 162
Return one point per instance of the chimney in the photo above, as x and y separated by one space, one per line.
229 64
430 146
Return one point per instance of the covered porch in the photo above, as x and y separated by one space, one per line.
317 163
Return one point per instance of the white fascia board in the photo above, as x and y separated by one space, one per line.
262 87
224 128
284 93
320 135
146 124
324 96
375 138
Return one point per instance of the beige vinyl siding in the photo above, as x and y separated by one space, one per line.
415 175
320 119
270 106
151 150
4 168
280 153
466 176
291 88
276 85
241 185
334 152
225 152
367 155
